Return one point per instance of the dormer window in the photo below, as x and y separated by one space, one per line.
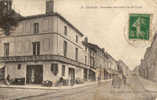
36 27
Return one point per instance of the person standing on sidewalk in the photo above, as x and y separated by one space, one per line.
7 80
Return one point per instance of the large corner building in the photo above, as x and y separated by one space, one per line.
44 47
48 47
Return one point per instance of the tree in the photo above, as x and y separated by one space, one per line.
8 18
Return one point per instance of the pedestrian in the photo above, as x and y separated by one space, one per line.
124 80
113 81
8 80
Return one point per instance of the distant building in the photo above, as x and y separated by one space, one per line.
100 60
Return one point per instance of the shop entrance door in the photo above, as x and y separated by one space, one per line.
34 74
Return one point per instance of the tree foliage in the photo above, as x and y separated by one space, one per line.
8 18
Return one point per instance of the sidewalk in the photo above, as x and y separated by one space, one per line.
49 88
45 88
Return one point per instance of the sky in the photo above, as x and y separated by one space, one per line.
106 27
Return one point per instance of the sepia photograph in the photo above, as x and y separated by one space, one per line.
78 49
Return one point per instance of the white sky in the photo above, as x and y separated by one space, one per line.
104 27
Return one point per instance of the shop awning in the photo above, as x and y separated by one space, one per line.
2 65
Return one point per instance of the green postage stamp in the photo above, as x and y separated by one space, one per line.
139 26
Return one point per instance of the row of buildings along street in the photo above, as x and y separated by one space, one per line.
147 68
47 48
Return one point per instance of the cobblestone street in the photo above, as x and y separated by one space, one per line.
99 91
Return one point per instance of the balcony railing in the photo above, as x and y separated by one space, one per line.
42 58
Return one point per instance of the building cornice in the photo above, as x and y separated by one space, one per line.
44 58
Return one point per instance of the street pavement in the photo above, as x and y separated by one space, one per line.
150 86
99 91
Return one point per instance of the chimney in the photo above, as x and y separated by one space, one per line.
49 6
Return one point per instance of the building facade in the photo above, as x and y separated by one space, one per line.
48 47
104 64
45 44
147 68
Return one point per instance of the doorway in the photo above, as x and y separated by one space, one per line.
34 74
85 74
72 75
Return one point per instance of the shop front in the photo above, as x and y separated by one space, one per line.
34 74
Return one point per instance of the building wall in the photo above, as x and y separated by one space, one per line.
71 33
147 68
70 49
79 73
111 64
22 46
12 70
12 45
70 38
46 25
21 39
48 75
51 36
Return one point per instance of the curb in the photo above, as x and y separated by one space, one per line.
48 88
53 88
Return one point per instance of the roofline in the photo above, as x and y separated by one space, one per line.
95 46
52 14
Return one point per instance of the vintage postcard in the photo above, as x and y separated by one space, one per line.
78 49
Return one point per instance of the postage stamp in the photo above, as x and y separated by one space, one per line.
139 26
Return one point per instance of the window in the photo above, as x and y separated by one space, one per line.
76 39
65 48
63 70
76 53
85 60
36 27
54 69
36 48
92 61
19 66
6 49
65 30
